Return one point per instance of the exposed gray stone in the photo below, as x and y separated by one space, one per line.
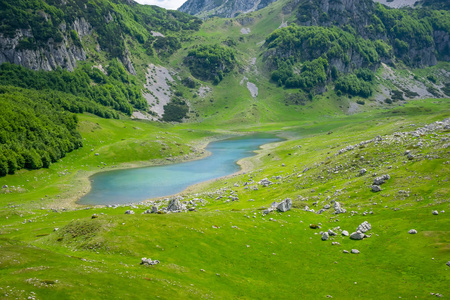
376 188
435 212
149 261
265 182
355 251
382 179
129 212
364 227
358 235
325 236
331 232
412 231
338 208
345 233
175 206
285 205
362 172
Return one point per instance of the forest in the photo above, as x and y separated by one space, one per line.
35 129
211 62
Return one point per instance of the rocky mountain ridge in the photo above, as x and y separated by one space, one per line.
224 9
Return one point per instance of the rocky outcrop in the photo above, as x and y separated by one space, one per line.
48 56
224 8
360 14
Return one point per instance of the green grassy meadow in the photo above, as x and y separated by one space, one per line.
229 249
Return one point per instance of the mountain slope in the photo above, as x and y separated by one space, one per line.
223 8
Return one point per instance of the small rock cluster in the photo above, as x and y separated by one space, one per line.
283 206
379 181
149 261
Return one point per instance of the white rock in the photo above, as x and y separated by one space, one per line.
355 251
345 233
129 212
357 235
364 227
285 205
325 236
435 212
412 231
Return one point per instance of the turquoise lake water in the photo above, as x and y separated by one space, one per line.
135 185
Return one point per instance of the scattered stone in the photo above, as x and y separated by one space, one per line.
129 212
56 229
380 180
345 233
175 206
412 231
376 188
285 205
325 236
345 251
149 261
331 232
448 263
94 216
435 212
4 187
364 227
97 154
362 172
335 243
265 182
358 235
355 251
154 209
338 208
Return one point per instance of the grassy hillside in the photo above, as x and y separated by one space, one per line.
230 249
53 248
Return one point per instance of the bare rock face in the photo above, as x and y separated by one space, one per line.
48 57
223 8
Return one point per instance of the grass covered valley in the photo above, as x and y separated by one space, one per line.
352 201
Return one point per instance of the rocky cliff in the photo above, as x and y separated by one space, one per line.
415 41
223 8
53 54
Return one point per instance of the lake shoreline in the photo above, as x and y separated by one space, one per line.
83 178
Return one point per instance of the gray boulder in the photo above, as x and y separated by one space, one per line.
412 231
5 187
331 232
265 182
376 188
380 180
362 172
435 212
355 251
129 212
345 233
325 236
357 235
154 209
345 251
149 261
175 206
448 263
285 205
338 208
364 227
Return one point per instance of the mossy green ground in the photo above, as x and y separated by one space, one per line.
227 249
